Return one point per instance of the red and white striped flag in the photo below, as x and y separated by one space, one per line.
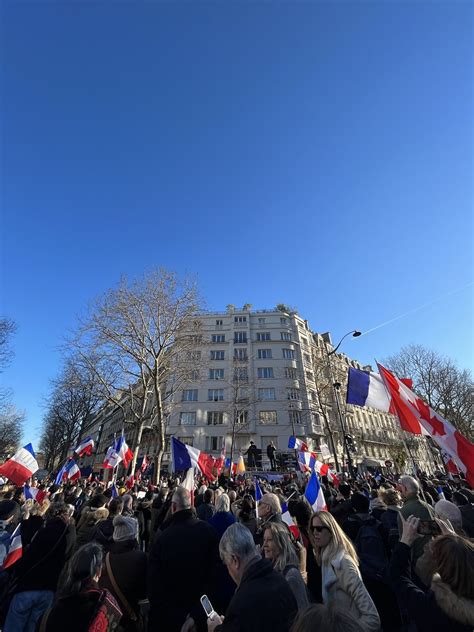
415 414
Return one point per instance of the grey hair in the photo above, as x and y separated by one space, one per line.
447 510
223 503
237 540
410 483
127 501
181 498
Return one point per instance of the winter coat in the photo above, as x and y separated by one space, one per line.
342 585
413 506
342 510
104 532
182 566
205 511
221 520
435 610
29 528
263 602
87 529
467 513
129 568
293 576
41 565
389 522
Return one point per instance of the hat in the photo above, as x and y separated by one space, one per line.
125 528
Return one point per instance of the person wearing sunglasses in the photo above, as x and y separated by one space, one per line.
341 580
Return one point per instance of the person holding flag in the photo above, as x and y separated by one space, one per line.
342 583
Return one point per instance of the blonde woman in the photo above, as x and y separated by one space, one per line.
341 580
278 548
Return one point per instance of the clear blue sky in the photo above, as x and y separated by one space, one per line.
319 154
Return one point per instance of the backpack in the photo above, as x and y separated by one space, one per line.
370 547
107 613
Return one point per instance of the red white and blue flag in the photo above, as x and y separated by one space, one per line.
72 470
307 461
33 493
297 444
288 520
21 466
15 549
85 447
314 493
185 456
145 463
119 453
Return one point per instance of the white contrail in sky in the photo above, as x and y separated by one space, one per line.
417 309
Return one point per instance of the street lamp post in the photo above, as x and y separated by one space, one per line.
336 386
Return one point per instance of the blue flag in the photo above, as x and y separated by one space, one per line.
258 492
59 478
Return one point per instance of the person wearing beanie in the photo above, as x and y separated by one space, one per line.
125 571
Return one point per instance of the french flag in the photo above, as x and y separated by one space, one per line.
114 490
365 388
33 493
297 444
307 461
85 447
15 549
72 471
314 494
188 483
145 463
288 520
184 457
21 466
118 454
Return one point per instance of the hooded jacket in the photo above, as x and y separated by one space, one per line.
436 610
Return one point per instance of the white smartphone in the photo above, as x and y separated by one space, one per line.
208 609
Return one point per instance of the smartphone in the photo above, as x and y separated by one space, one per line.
428 527
208 609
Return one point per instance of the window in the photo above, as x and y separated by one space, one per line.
304 341
307 358
314 397
219 323
241 374
240 319
217 355
283 321
240 337
215 394
261 321
294 393
240 354
265 372
267 416
215 418
263 335
285 336
295 417
291 373
216 374
190 395
288 354
186 440
266 394
187 419
243 417
264 354
214 443
309 376
193 355
193 375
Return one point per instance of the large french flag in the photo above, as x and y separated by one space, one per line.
366 388
21 466
119 453
15 549
85 447
297 444
72 471
307 461
185 456
314 494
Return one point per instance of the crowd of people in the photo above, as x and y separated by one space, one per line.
391 555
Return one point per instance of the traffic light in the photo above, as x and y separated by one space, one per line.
351 444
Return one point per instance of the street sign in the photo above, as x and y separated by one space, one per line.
388 463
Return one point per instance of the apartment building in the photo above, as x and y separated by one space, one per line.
263 376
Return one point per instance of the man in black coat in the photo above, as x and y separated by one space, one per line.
264 601
182 567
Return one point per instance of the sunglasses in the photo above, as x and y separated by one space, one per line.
318 529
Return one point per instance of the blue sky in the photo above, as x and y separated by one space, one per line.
318 154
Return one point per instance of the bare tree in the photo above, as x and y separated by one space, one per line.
75 396
7 329
140 341
11 429
437 380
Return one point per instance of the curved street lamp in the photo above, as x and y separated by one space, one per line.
336 386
